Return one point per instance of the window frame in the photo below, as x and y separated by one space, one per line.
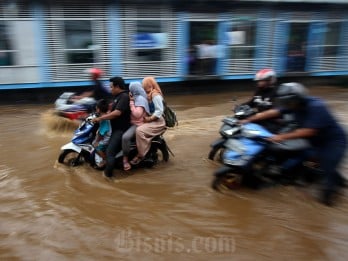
249 45
78 51
8 45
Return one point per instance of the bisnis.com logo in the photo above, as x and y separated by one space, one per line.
128 241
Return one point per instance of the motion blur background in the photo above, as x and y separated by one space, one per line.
49 44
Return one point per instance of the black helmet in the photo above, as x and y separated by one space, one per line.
291 92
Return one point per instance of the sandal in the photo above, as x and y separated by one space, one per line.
136 160
126 166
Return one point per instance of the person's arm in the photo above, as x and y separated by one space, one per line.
296 134
121 106
84 95
158 103
108 116
268 114
137 111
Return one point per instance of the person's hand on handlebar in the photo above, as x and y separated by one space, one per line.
276 138
95 120
244 121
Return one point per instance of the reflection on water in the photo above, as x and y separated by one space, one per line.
53 212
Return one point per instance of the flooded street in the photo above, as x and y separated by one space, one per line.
53 212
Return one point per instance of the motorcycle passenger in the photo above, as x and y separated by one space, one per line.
139 109
154 124
319 126
96 90
264 95
103 133
119 117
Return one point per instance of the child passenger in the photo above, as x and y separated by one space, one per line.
103 133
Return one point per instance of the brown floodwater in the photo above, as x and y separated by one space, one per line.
53 212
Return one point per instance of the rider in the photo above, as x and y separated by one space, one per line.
265 92
96 90
316 124
120 121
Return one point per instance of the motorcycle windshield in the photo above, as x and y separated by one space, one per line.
83 134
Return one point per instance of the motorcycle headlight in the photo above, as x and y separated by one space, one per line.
230 131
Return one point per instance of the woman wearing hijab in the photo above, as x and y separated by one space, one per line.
154 124
139 107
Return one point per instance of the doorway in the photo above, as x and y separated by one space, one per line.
202 52
297 46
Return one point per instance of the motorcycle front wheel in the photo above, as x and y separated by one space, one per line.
216 153
70 158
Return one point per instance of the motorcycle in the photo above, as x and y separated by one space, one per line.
250 159
77 110
228 128
80 149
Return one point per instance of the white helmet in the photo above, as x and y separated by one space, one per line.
266 75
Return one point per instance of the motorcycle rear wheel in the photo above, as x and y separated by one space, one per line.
164 154
70 158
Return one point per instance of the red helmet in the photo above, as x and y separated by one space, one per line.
95 72
266 75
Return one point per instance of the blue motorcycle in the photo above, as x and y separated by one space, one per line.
229 126
250 159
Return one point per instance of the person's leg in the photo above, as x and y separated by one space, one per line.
143 138
329 162
113 148
127 138
126 143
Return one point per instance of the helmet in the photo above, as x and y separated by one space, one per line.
95 72
266 75
291 92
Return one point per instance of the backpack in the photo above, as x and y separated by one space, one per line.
169 116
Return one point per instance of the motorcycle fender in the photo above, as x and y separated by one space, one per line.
71 146
218 143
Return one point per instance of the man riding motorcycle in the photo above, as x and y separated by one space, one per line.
96 90
263 98
315 123
265 92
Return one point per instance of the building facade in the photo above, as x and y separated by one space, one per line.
47 43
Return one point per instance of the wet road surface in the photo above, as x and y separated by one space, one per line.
53 212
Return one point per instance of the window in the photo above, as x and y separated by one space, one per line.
6 54
241 39
332 37
78 42
296 57
149 40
